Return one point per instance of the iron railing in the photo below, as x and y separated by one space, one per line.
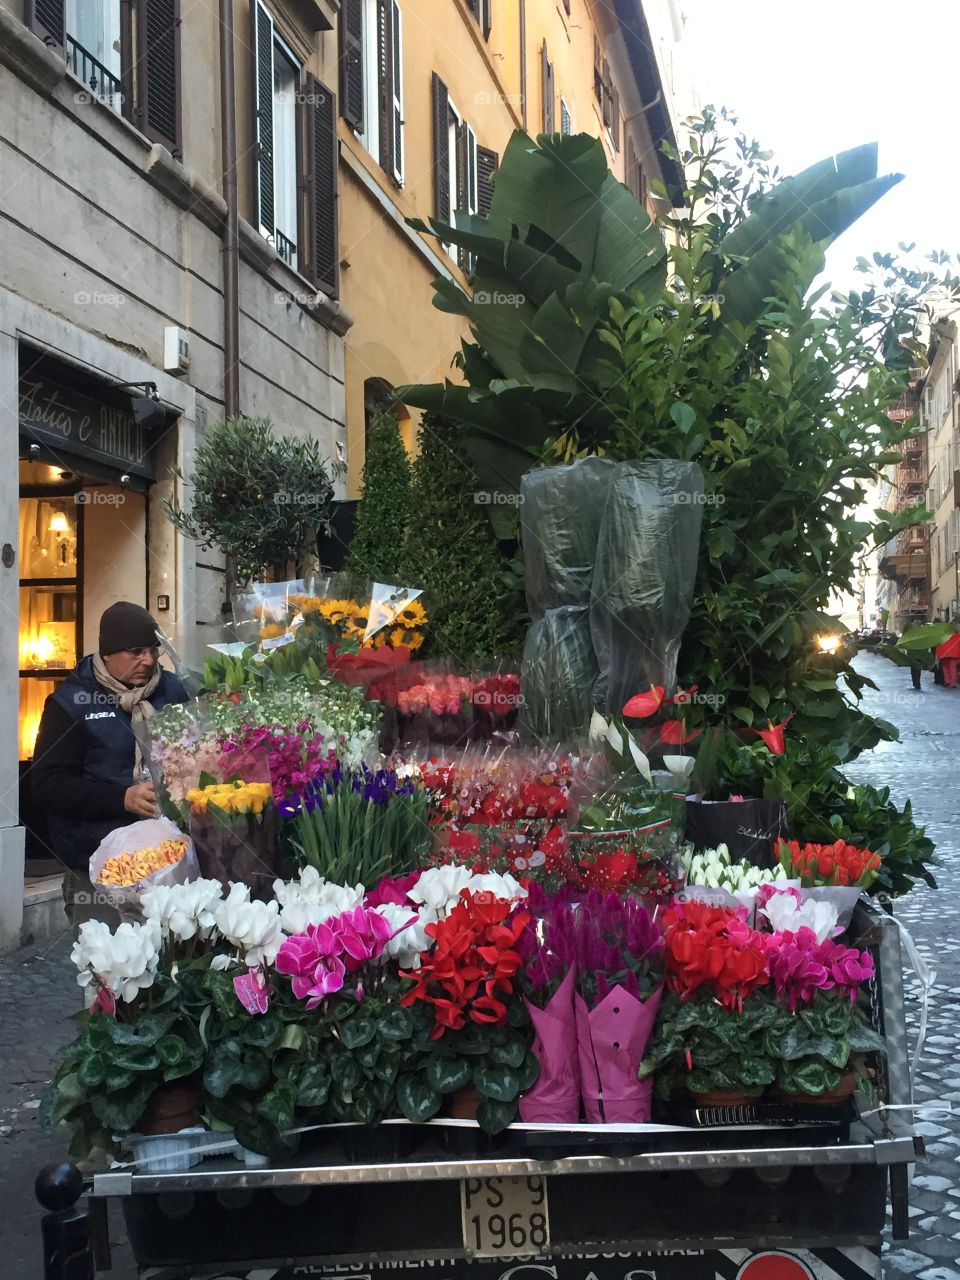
101 82
286 248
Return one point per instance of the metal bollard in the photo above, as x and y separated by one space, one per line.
67 1246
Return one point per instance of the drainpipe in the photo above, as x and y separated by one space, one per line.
231 230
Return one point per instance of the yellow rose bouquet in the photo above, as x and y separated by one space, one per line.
235 834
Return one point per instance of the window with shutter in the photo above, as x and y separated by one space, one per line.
321 184
96 45
566 123
487 164
351 62
441 152
615 118
549 94
46 19
597 71
261 44
277 130
384 82
466 146
606 100
482 10
157 112
381 84
397 86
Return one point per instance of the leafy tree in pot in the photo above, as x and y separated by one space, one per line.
383 516
257 496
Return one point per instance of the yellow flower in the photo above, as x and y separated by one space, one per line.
412 614
271 630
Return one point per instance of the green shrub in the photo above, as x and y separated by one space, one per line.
452 554
377 550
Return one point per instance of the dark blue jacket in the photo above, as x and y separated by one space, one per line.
83 761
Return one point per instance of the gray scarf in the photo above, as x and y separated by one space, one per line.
133 700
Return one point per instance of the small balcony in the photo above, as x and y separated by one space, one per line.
286 249
101 82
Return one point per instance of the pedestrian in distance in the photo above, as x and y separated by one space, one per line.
87 771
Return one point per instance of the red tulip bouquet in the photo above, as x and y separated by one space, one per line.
619 983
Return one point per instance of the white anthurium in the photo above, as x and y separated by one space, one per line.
252 927
680 766
183 911
788 916
439 887
615 738
639 759
125 962
411 939
598 728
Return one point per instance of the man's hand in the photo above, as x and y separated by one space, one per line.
141 799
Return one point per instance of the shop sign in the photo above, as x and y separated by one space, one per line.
65 419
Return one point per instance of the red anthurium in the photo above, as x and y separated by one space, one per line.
646 704
773 736
673 734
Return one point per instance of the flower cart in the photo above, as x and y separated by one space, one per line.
696 1202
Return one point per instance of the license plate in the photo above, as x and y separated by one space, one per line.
505 1217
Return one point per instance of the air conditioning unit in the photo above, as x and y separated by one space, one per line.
931 500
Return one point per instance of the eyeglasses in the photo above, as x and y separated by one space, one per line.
153 650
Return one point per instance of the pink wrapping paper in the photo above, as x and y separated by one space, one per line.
555 1096
611 1041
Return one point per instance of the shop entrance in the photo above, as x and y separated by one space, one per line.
85 472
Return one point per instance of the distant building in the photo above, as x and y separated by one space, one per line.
939 415
905 561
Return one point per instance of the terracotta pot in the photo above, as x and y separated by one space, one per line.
463 1103
723 1098
839 1093
172 1107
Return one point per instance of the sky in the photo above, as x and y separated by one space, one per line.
815 78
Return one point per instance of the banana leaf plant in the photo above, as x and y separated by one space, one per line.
562 241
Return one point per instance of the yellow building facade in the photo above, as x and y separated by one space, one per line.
430 92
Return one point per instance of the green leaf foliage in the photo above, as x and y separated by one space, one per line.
259 497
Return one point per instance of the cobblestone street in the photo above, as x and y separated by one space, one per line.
923 767
38 994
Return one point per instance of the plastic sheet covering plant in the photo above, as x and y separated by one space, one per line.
642 588
610 550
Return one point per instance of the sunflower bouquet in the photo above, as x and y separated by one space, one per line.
385 617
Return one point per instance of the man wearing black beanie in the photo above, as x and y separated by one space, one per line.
87 764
